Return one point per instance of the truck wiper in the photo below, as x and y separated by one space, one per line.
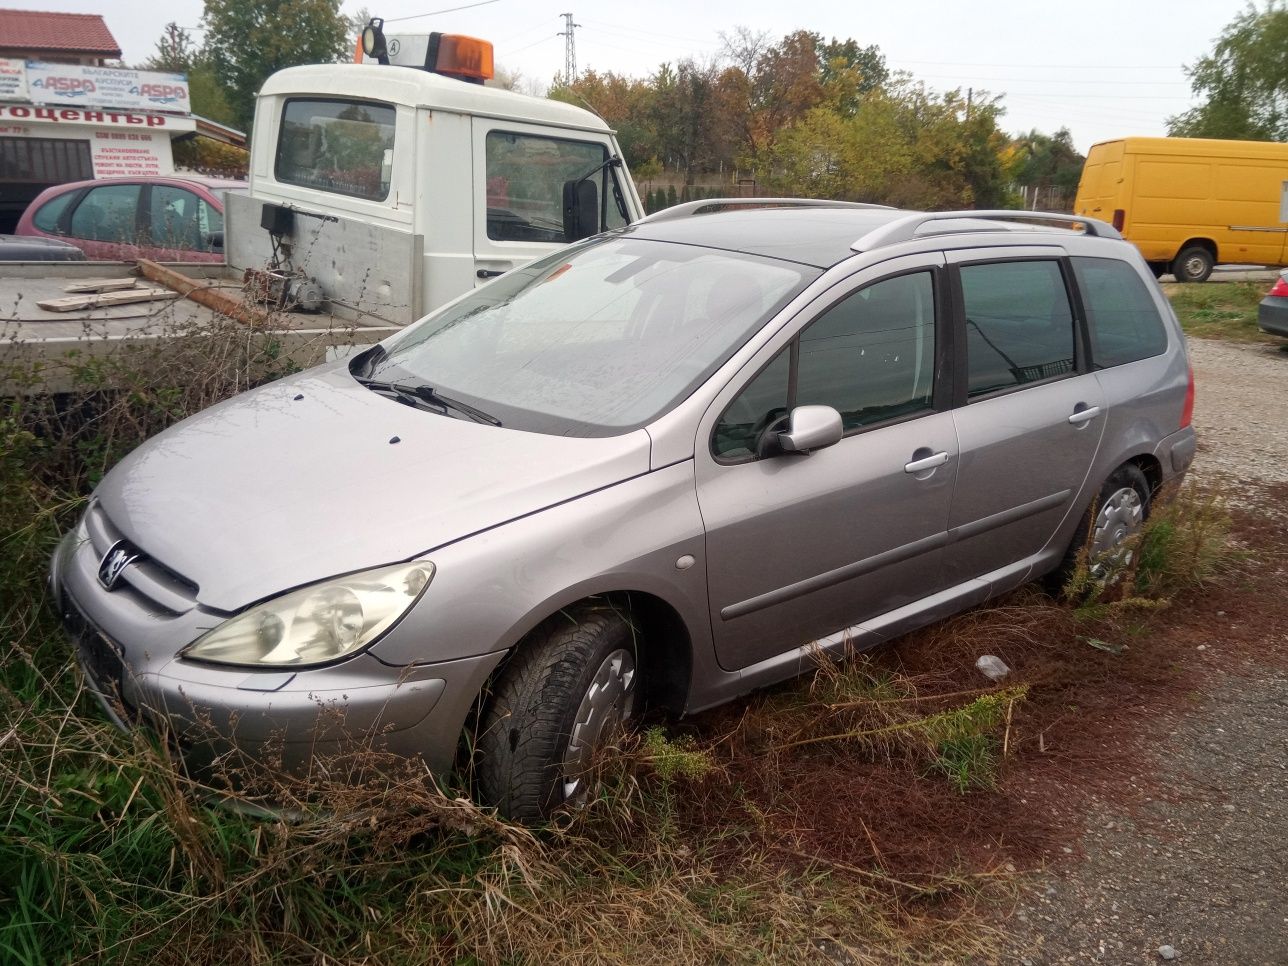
427 397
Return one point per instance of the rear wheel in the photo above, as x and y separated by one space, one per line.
1117 515
570 688
1193 264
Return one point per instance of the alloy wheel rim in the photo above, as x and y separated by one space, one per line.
608 704
1120 517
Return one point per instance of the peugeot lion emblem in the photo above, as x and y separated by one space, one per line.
117 558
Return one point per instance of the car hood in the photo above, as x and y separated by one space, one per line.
314 476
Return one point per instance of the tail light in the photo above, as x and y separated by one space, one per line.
1120 219
1280 289
1187 411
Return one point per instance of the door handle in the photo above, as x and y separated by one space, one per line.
929 463
489 273
1081 416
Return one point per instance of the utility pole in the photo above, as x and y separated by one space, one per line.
570 48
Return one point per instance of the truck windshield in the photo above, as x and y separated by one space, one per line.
345 147
594 340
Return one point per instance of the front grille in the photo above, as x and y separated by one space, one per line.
153 583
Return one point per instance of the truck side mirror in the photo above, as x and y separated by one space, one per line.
580 209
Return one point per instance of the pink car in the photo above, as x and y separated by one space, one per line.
174 219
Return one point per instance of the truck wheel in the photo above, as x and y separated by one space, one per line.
1193 264
569 687
1119 512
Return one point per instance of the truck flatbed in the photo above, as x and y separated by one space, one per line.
39 347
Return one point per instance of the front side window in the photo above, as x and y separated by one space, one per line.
525 183
1125 324
108 214
1019 325
345 147
597 339
179 219
871 357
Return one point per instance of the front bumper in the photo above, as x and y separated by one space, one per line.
219 719
1272 315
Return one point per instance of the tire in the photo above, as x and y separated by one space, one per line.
1110 520
568 686
1193 264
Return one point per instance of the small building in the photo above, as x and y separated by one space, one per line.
68 114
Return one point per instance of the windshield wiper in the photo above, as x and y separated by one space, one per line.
427 397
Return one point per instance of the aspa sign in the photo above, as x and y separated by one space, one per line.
81 86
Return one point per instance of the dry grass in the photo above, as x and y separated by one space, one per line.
1220 310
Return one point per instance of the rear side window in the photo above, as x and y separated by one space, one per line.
108 214
1125 324
345 147
1019 325
46 219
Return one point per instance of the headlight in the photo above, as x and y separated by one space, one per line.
316 624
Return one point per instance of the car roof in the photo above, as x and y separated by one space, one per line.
211 184
822 234
819 237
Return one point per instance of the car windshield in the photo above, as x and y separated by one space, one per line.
596 339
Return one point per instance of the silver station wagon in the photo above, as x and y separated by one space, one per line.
664 466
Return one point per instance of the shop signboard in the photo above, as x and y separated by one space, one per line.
81 85
13 79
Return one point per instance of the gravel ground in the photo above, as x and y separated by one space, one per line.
1198 870
1241 411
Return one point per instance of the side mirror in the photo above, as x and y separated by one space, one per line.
580 209
810 428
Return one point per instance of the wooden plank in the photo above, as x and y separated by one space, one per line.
74 303
101 285
203 294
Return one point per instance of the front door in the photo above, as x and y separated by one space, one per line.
519 175
803 546
1030 414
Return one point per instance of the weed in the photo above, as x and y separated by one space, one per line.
1220 310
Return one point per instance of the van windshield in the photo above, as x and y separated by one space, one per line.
594 340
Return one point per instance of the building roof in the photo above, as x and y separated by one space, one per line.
37 30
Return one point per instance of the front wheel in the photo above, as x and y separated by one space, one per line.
570 687
1193 264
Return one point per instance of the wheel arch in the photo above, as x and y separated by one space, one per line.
1198 242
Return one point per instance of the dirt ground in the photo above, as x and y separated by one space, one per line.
1182 856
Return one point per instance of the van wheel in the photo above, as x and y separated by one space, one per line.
1118 514
1193 264
570 688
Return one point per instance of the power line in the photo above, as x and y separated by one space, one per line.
435 13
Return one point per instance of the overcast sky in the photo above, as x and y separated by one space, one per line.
1102 68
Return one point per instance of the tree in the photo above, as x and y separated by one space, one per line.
1244 81
247 40
177 54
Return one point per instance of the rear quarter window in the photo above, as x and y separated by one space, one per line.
47 216
1125 324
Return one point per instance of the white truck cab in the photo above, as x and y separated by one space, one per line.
393 189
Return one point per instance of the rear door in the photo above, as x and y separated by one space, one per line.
803 546
1030 413
105 223
519 174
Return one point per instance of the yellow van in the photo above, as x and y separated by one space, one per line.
1191 203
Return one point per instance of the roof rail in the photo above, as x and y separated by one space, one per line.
711 205
906 229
